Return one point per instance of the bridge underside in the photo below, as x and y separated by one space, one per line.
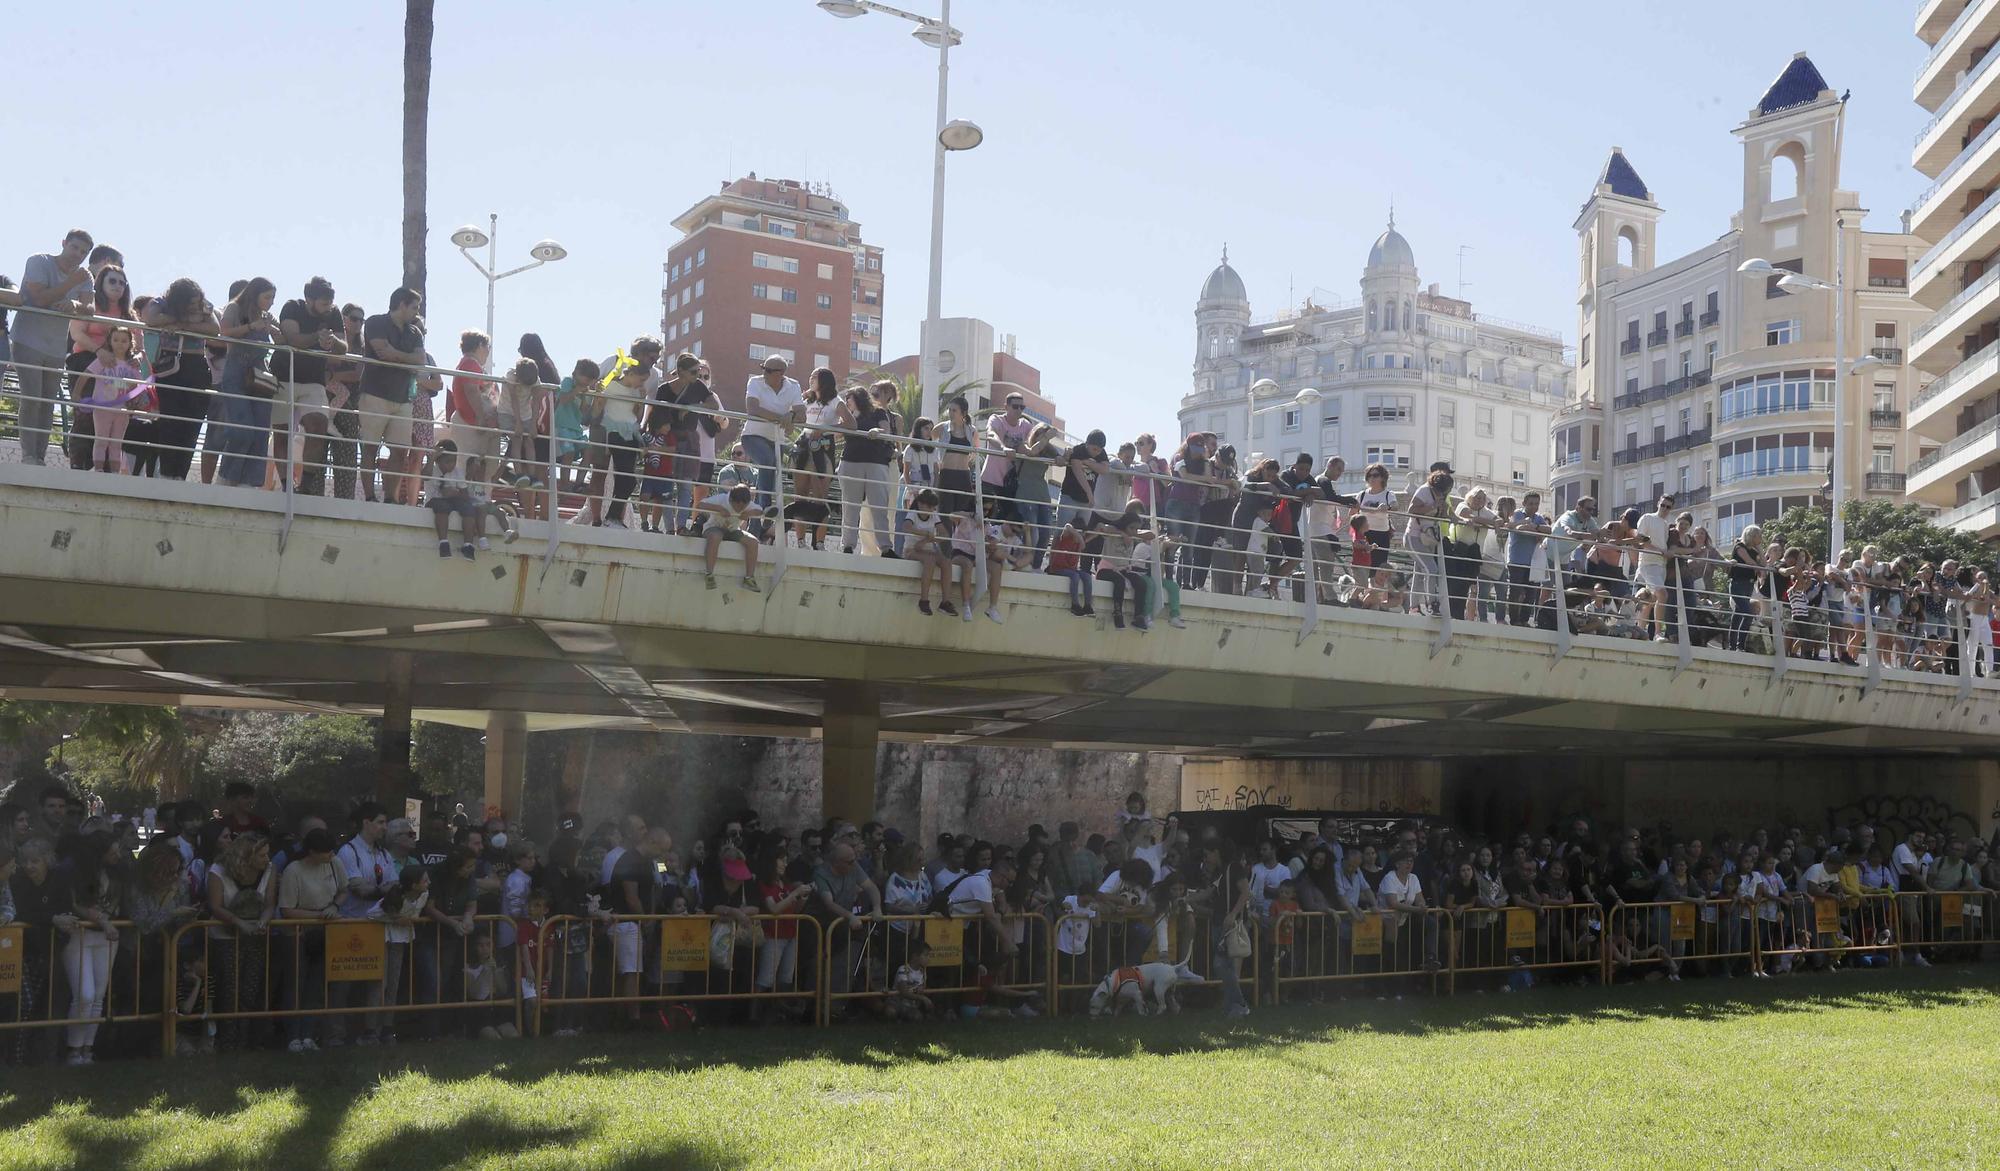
88 643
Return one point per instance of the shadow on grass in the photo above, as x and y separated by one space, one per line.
79 1109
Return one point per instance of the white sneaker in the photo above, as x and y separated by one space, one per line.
1177 622
483 546
75 1059
995 616
615 524
1241 1010
965 614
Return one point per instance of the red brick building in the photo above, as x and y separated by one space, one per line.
773 266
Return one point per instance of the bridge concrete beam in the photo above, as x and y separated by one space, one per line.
852 731
506 762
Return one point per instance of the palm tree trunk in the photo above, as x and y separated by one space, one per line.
418 26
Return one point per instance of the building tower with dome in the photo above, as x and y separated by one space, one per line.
1406 376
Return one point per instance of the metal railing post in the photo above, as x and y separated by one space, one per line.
1157 604
1564 635
1961 626
1778 662
1309 618
777 515
552 514
1874 679
291 434
979 537
1442 596
1686 648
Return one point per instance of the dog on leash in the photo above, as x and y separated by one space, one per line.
1146 988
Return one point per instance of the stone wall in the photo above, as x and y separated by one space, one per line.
691 783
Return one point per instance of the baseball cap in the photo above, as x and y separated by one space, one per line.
734 870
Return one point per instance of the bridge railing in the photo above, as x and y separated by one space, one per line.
600 450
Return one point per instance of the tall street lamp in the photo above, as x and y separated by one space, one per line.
1843 369
469 237
1264 387
951 135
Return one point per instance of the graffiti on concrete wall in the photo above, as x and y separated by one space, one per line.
1242 797
1894 815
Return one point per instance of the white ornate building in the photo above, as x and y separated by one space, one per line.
1406 376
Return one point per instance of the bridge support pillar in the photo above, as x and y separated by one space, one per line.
392 773
506 763
851 731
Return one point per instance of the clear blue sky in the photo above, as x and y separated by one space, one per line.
1125 142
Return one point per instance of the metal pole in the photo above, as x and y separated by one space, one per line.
1310 618
492 266
1681 611
291 433
1874 652
979 538
777 516
1158 602
1961 626
1777 630
1563 632
1838 477
932 308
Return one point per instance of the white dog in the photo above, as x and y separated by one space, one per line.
1147 988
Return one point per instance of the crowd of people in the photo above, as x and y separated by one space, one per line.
325 396
478 922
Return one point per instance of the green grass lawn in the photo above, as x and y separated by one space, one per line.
1854 1069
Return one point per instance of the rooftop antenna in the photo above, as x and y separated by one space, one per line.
1462 282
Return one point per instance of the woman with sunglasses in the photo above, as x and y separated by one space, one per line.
90 340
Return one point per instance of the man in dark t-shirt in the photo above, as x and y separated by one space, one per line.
391 340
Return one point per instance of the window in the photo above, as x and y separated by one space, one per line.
1520 472
1687 421
1781 333
1585 349
1394 456
1329 412
1884 460
1389 408
761 293
1520 426
874 264
867 326
824 300
1447 411
822 331
825 271
675 273
1681 478
782 228
1885 396
775 263
1482 422
1687 363
695 349
672 332
1708 357
700 257
1482 465
865 352
1293 418
1765 394
773 324
700 287
759 353
788 296
823 360
697 319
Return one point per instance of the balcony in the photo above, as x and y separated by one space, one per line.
1888 282
1665 447
1629 346
1709 317
1934 344
1952 56
1942 136
1931 478
1651 394
1934 413
1934 16
1885 417
1657 337
1980 516
1885 481
1941 207
1974 238
1684 327
1890 354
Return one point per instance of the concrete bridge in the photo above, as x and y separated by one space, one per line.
115 589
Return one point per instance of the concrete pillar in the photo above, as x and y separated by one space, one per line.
392 774
851 730
506 763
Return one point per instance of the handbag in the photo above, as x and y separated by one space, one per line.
1236 940
263 383
725 937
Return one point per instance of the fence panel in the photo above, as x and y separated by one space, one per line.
1313 949
1942 925
580 964
1089 946
76 982
1566 937
316 975
968 966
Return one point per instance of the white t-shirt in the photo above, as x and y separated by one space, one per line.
1395 886
1905 861
782 400
1114 884
448 483
1767 884
1264 883
1818 873
976 889
1653 527
1378 522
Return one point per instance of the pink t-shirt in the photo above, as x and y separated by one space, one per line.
997 466
1142 488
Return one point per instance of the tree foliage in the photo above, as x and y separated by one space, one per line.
1897 529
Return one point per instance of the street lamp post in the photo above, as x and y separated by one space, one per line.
1310 396
950 136
1794 282
470 237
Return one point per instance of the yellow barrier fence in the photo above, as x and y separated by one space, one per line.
731 967
74 981
1500 941
317 975
1315 949
1089 946
1692 936
972 965
1943 925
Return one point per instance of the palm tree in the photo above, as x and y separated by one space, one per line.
418 25
910 390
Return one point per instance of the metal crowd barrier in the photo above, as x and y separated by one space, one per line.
1091 945
1504 940
317 974
683 960
1315 949
1705 933
1947 924
36 985
860 966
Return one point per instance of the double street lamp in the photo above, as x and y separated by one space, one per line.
1264 387
956 134
470 237
1798 282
